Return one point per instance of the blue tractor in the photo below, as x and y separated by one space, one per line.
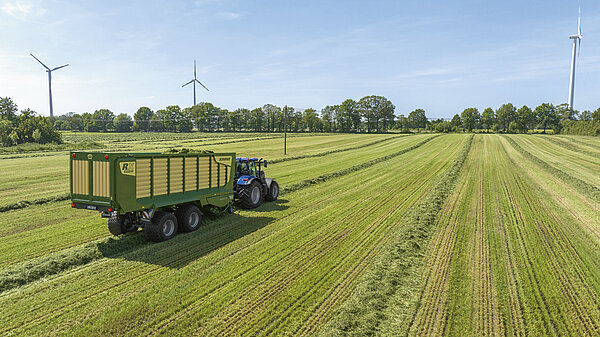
250 186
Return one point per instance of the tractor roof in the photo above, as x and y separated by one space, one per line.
246 159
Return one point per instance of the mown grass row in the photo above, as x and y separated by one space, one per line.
396 271
574 163
506 258
53 263
325 153
340 173
569 146
582 186
34 147
39 201
260 272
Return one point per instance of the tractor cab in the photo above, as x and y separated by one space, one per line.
250 167
251 185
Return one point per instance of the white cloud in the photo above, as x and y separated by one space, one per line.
21 10
229 15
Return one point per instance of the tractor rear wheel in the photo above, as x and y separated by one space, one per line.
162 227
273 191
188 218
118 225
250 196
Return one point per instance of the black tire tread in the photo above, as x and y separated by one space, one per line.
269 196
182 214
152 230
245 193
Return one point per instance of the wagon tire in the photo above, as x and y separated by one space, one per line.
118 225
273 191
189 218
250 196
162 227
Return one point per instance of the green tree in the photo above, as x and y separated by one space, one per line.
525 118
156 124
6 127
75 121
87 120
488 118
443 126
506 114
417 119
456 123
378 112
123 123
402 123
183 119
351 115
585 115
310 119
470 118
103 119
596 115
546 116
142 119
328 118
205 116
8 109
257 119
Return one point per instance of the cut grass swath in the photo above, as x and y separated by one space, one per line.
582 186
396 271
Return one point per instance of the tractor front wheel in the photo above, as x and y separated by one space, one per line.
250 196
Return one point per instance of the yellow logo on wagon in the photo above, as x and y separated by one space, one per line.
128 168
223 160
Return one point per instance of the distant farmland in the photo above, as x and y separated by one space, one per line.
387 234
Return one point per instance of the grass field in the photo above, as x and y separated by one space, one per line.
375 235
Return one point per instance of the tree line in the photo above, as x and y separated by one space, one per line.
25 126
510 119
369 114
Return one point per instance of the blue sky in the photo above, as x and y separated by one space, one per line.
442 56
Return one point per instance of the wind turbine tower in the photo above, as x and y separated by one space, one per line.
576 40
49 71
194 83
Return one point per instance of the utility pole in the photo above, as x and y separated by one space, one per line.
285 130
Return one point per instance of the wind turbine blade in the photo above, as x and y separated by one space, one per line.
66 65
579 23
39 61
187 83
202 85
194 69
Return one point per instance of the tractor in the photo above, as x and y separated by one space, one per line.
250 186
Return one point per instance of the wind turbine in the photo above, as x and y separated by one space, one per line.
194 83
49 71
576 40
